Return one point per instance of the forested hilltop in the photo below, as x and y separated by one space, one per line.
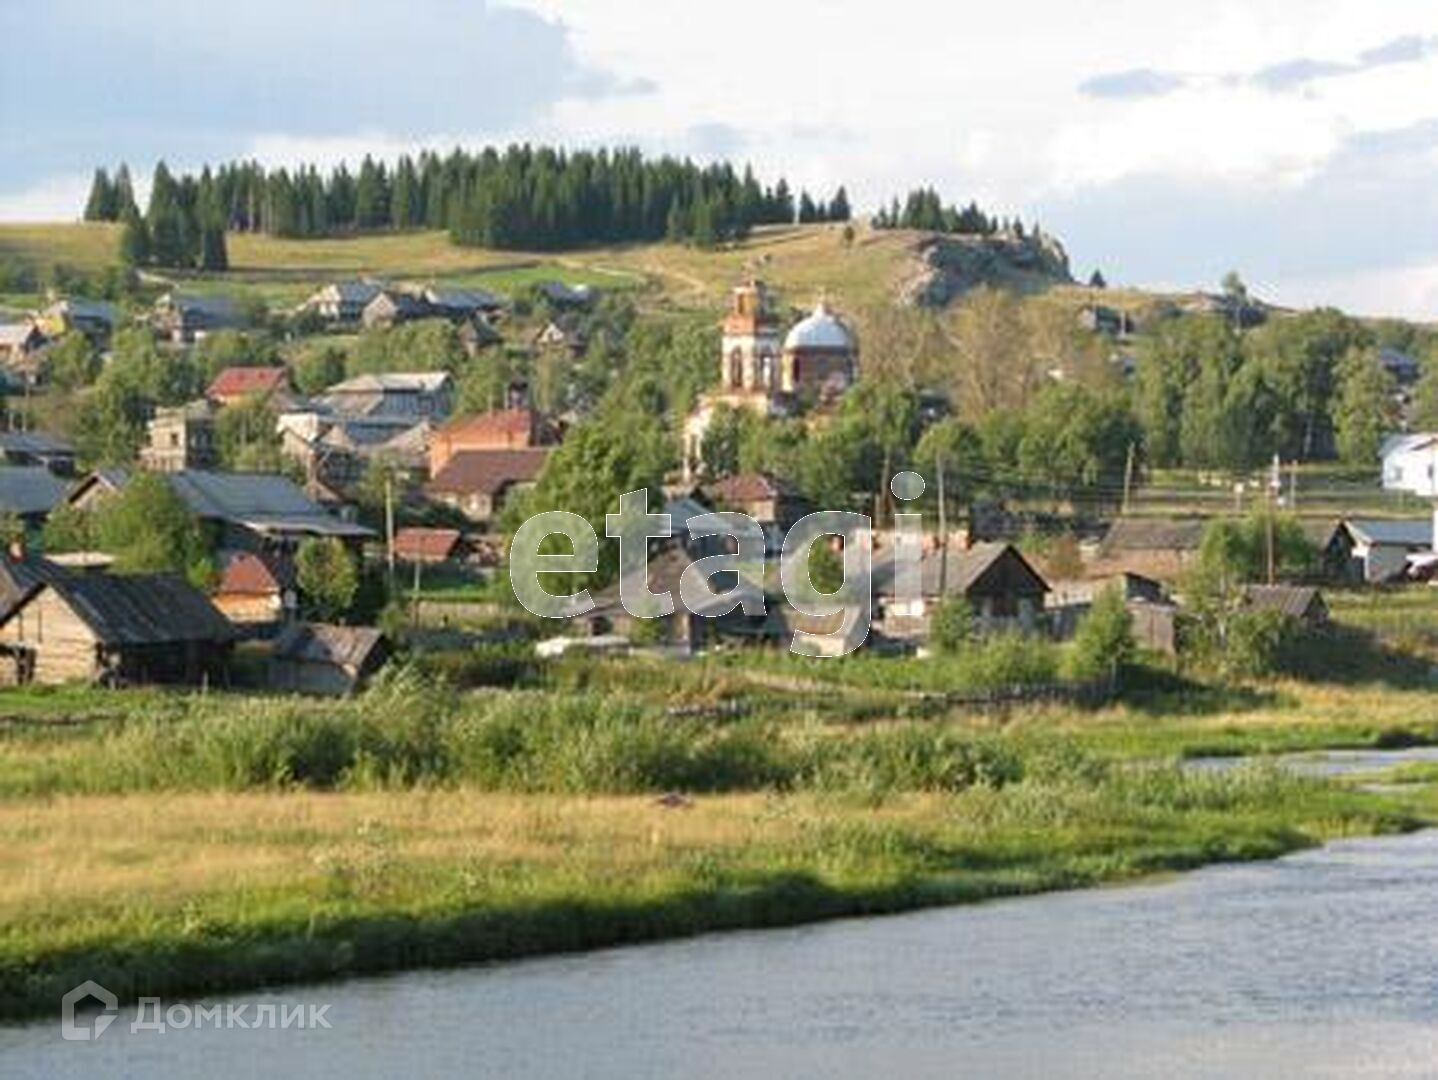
522 198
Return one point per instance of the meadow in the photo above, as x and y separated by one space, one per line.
180 843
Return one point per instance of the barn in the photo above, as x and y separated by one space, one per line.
61 625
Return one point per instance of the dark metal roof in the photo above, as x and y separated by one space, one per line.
28 490
263 501
1400 532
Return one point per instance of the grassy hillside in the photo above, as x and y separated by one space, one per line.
803 262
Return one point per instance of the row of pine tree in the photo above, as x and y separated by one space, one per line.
183 226
923 209
529 198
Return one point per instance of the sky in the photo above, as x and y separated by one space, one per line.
1165 143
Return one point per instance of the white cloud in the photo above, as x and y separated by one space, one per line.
1402 291
57 198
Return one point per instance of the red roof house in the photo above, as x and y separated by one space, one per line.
252 589
237 383
500 429
418 545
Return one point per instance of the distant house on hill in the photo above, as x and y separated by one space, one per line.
564 332
38 448
22 347
1410 463
59 625
342 301
96 319
478 483
316 658
560 295
185 319
236 384
413 396
30 492
459 305
1102 319
392 306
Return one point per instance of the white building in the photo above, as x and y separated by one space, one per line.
1410 463
817 360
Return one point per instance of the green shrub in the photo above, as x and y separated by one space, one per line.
1007 660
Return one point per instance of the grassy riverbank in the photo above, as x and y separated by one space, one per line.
172 844
184 894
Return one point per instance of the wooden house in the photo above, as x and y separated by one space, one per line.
342 301
462 305
254 592
96 319
477 483
317 658
237 384
1154 547
22 347
1004 591
1381 549
400 395
1302 603
182 437
60 625
393 306
499 429
186 319
770 501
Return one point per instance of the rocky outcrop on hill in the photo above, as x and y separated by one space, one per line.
950 265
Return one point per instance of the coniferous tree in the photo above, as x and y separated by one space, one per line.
134 239
100 206
839 209
123 192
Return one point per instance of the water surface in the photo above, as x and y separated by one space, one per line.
1324 963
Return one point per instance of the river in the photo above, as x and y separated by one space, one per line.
1323 963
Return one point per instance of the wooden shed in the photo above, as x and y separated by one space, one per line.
319 658
61 625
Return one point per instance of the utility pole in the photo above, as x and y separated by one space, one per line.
389 524
1127 478
1275 485
943 533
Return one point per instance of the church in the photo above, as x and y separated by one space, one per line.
816 362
